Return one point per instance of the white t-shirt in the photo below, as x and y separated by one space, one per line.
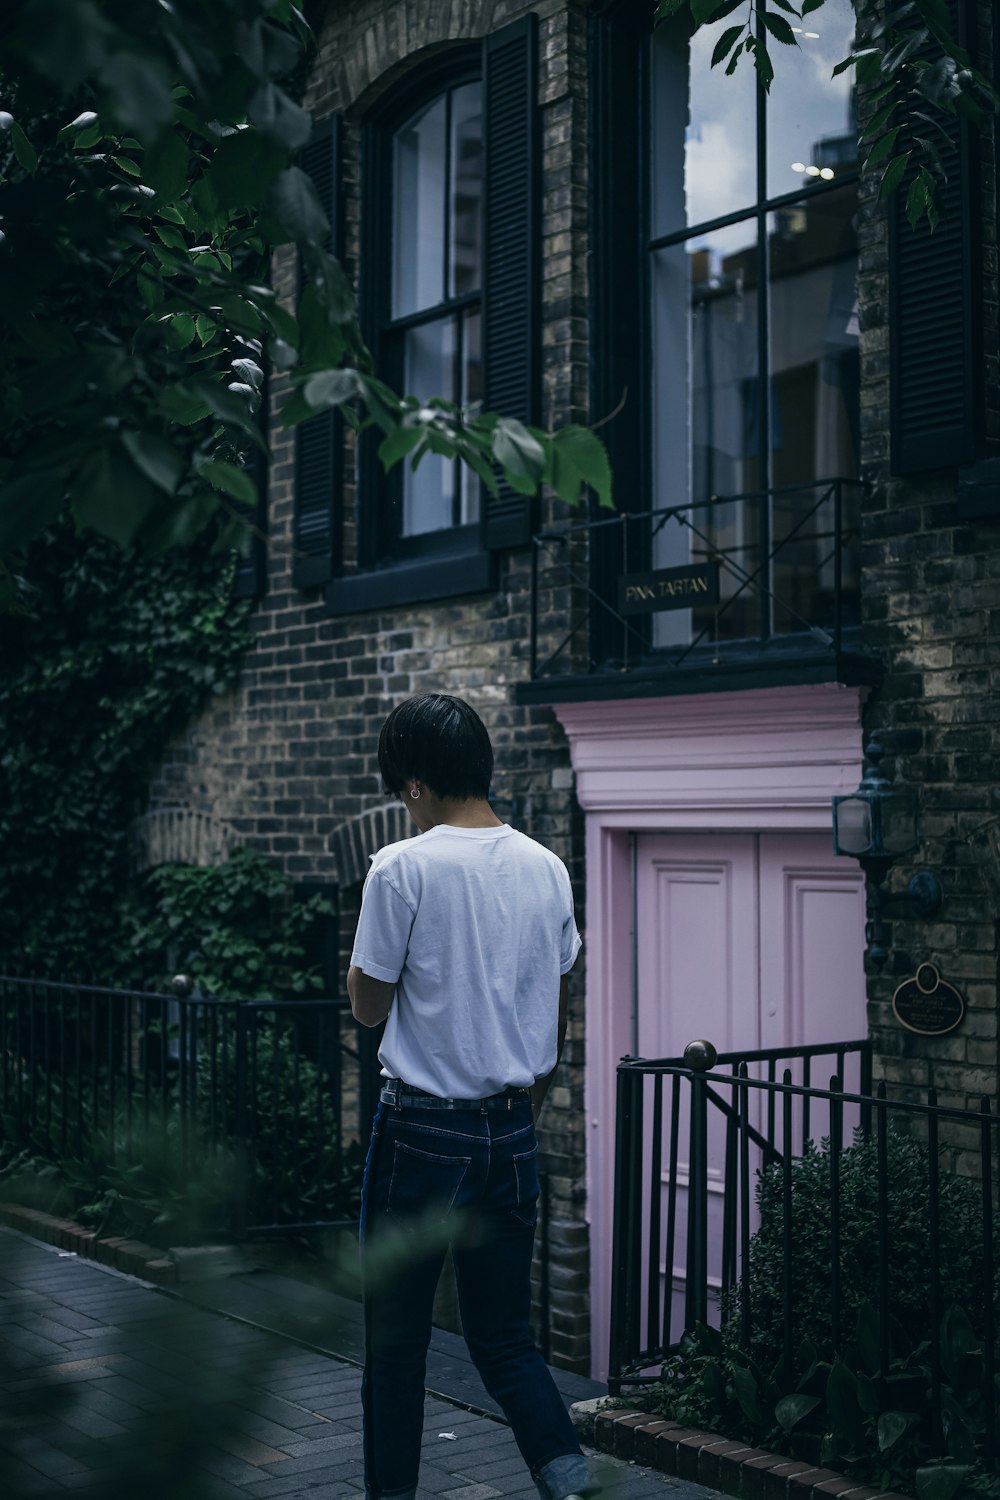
474 927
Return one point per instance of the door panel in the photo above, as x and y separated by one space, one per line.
696 927
749 941
812 946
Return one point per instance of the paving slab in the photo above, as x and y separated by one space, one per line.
185 1401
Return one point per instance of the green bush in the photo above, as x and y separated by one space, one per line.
236 927
840 1408
907 1194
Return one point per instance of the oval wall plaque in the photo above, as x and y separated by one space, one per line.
928 1004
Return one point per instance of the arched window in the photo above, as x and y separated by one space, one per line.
431 326
448 272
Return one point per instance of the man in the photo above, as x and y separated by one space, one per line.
464 942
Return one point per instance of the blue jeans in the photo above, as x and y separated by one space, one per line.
468 1179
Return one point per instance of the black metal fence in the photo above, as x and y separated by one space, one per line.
276 1095
750 1197
268 1103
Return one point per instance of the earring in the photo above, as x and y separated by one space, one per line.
414 792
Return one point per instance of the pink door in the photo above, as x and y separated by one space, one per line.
750 941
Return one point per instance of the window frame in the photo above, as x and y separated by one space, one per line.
621 149
756 211
391 568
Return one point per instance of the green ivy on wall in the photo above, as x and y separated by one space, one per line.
115 655
236 928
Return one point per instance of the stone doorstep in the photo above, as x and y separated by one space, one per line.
737 1468
131 1256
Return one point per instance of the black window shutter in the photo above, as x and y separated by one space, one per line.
319 441
934 361
510 253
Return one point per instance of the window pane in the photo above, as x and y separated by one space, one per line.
814 338
815 396
706 420
472 391
704 157
419 211
466 189
430 371
811 118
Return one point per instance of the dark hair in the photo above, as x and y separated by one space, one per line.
440 741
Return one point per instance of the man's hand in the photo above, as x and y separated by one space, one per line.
371 999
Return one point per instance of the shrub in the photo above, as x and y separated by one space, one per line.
907 1192
839 1407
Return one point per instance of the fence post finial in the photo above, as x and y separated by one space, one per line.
700 1055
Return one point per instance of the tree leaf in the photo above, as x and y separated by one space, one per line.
725 44
165 166
854 59
893 175
892 1425
941 1481
229 480
790 1410
703 10
331 388
748 1395
894 59
243 169
808 6
879 119
179 331
138 93
182 406
520 455
580 458
780 29
842 1403
296 206
396 445
112 496
23 149
279 118
920 198
762 62
882 147
160 460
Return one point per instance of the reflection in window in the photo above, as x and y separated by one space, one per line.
436 280
755 335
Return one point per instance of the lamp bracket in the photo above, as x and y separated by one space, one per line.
924 894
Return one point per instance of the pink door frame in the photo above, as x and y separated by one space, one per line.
758 761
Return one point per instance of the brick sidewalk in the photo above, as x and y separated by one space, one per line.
112 1389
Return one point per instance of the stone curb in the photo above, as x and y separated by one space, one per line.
130 1256
706 1458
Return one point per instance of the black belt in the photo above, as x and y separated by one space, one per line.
395 1091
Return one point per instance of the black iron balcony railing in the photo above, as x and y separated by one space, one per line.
766 578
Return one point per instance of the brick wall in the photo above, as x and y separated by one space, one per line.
931 605
289 757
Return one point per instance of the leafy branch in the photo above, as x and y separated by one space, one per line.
148 173
906 56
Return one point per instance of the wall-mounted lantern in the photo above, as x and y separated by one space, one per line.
876 825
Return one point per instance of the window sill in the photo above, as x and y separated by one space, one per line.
411 583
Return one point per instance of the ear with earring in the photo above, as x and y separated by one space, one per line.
414 792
